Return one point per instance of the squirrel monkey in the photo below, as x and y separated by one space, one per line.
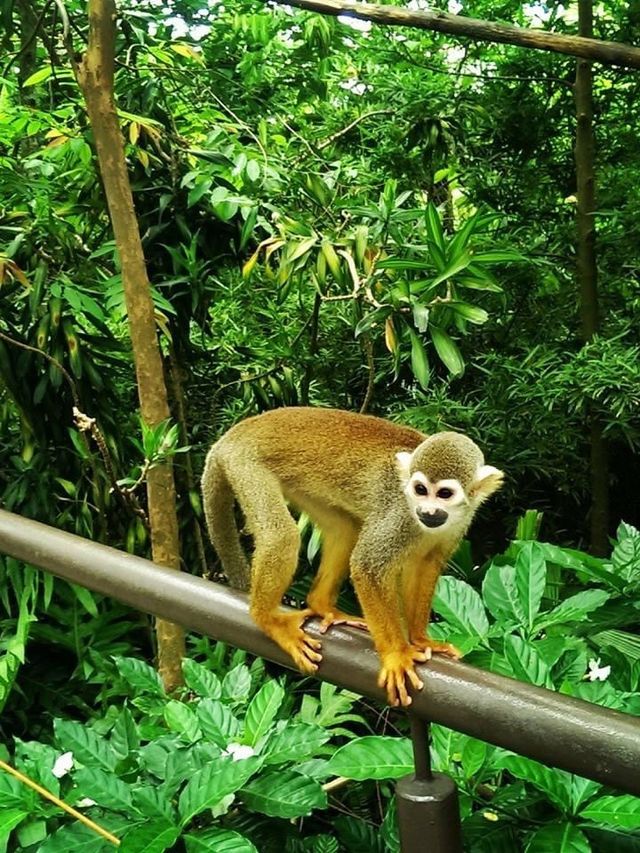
392 505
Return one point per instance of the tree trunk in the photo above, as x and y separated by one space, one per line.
587 274
95 72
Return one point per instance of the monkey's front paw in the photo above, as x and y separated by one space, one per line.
424 644
286 630
397 669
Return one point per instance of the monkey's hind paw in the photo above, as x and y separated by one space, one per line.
337 617
397 669
435 646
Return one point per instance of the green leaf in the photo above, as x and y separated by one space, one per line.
284 793
201 680
498 257
574 608
402 264
296 742
182 719
124 735
87 747
554 783
107 789
237 684
262 712
156 836
373 757
9 819
460 262
218 841
462 235
434 226
461 606
622 812
501 596
142 677
525 661
530 578
209 785
12 792
447 350
217 721
469 312
77 838
419 360
39 76
85 598
558 838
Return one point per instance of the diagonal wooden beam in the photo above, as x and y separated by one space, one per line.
607 52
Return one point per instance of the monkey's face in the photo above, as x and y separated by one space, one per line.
446 502
438 505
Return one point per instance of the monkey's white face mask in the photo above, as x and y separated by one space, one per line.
444 505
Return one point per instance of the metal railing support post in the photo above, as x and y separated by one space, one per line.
428 810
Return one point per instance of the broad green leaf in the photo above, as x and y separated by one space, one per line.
86 599
156 836
501 596
77 838
460 262
574 608
531 578
526 663
419 360
592 568
218 841
295 742
373 757
470 312
237 684
262 711
201 680
182 719
402 264
13 793
497 257
284 793
87 747
124 735
434 225
554 783
447 350
558 838
142 677
39 76
217 721
462 235
622 812
153 801
9 819
107 789
461 606
209 785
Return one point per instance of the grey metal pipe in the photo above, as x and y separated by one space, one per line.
561 731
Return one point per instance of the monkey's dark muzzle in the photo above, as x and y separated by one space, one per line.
433 519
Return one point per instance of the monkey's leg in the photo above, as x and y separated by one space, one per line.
339 538
377 589
419 580
276 546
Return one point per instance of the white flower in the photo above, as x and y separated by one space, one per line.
63 765
239 751
597 672
85 803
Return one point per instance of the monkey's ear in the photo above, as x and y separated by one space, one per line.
404 463
488 480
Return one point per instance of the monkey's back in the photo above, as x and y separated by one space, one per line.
327 455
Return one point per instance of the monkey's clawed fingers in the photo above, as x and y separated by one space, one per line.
397 668
425 644
337 617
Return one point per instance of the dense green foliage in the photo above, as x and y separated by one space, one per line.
335 216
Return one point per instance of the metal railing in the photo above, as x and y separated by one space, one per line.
560 731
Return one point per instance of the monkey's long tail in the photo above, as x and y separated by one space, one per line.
218 502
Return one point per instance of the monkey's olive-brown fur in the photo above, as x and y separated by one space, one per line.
355 476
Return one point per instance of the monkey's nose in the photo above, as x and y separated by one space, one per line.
433 519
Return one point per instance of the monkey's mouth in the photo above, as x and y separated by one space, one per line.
432 519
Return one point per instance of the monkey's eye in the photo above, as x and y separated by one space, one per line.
444 493
420 489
